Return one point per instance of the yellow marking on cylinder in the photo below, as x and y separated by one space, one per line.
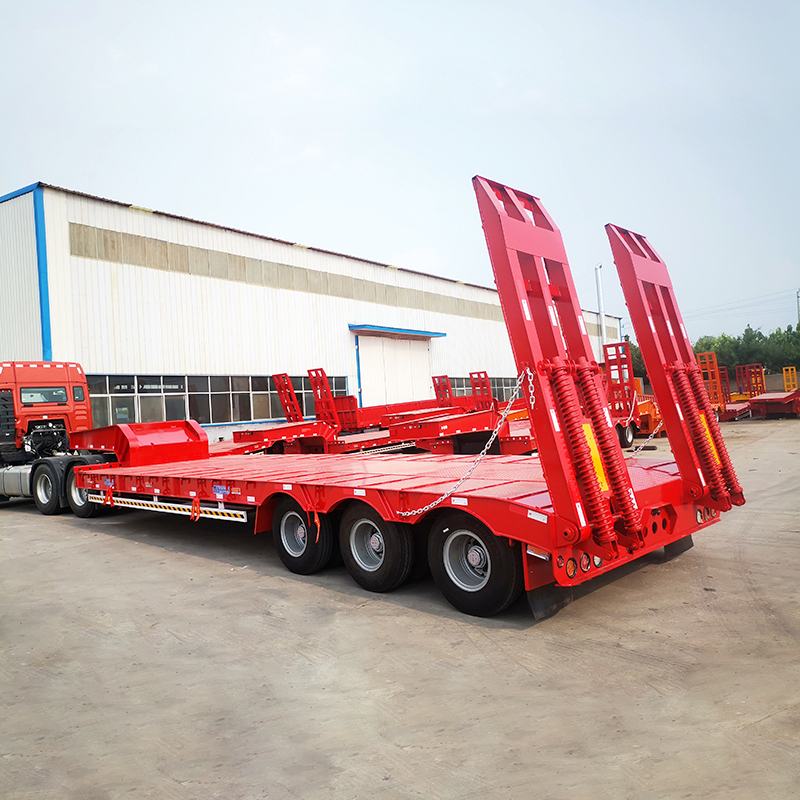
596 460
710 438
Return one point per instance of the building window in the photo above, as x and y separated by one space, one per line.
220 407
200 408
151 408
121 384
460 386
174 407
220 383
174 384
208 399
123 409
241 407
98 384
197 383
502 388
101 415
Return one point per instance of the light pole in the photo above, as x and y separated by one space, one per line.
601 306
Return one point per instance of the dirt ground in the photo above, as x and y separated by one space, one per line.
144 656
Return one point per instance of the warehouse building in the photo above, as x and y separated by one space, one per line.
173 318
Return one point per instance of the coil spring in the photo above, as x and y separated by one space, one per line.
609 447
570 412
692 416
728 472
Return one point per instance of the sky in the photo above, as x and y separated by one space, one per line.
357 126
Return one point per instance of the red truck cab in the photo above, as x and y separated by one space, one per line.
41 404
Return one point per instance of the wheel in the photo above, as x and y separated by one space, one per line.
626 435
78 499
420 531
45 491
300 547
476 571
378 554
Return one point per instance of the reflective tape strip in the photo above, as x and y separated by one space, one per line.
596 459
172 508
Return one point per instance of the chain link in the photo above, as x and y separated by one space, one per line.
391 448
514 395
649 438
531 389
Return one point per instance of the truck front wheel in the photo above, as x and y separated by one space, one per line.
78 499
45 490
477 572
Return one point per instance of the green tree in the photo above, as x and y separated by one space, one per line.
636 358
779 349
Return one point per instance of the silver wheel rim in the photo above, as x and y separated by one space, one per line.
467 561
630 435
367 545
76 494
44 488
294 534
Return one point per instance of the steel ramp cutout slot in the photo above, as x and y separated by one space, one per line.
581 457
694 435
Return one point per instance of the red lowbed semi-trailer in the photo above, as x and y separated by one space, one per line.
489 526
447 424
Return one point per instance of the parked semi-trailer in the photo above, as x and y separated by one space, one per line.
489 526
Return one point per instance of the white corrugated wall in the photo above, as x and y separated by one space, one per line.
20 321
119 318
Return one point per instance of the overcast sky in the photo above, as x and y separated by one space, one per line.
357 126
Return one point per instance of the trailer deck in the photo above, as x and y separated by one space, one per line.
508 494
776 404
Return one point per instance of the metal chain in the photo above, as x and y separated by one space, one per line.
388 449
647 441
514 395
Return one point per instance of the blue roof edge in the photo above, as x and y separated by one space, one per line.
19 192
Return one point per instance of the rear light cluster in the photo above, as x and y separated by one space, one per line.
705 514
585 563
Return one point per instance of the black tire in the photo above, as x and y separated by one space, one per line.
421 530
378 554
626 435
299 547
334 517
45 490
77 499
477 572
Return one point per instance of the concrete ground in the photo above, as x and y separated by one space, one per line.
148 657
